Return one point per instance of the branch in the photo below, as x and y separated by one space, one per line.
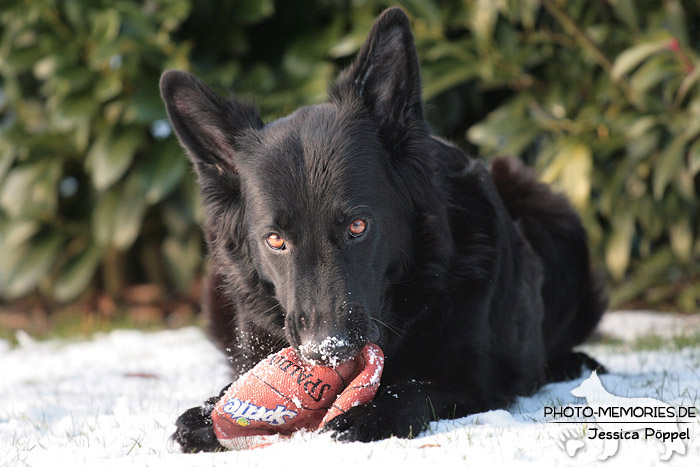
587 43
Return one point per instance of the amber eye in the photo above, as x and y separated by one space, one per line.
275 242
358 227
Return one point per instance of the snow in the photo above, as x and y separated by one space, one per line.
112 400
631 325
325 350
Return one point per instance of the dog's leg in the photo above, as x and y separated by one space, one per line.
195 431
402 410
571 365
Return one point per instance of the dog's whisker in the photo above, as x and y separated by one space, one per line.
271 308
281 343
395 330
407 281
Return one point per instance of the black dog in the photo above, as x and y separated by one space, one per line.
348 222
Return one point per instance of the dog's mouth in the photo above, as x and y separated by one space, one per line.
334 351
330 339
331 351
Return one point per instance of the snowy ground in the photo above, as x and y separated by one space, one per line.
112 400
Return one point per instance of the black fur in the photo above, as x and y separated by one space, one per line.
474 282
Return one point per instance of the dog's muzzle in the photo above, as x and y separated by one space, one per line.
330 339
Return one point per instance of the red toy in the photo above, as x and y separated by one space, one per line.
283 394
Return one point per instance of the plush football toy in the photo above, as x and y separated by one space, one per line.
283 394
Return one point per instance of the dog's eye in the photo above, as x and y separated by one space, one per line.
275 241
357 227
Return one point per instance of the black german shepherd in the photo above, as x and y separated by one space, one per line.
348 222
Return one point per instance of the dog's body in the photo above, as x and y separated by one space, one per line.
348 222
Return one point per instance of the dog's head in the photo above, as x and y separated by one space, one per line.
312 208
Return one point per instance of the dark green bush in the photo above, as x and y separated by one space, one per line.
601 97
606 104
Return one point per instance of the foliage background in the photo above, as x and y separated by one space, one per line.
602 97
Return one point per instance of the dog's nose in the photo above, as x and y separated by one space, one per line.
330 338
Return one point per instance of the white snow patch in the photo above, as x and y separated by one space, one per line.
631 325
113 401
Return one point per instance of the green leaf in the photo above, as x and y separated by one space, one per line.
183 258
162 170
118 215
32 267
105 25
447 77
668 163
505 130
649 218
20 59
6 159
483 20
77 274
651 271
14 244
426 10
76 106
681 236
174 12
640 126
528 12
145 105
103 219
73 78
626 11
633 56
694 158
29 189
619 245
108 87
689 298
687 84
111 154
570 171
675 15
251 12
615 181
651 73
15 234
642 137
303 56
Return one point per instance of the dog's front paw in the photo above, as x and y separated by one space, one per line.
400 410
363 423
377 420
195 431
194 428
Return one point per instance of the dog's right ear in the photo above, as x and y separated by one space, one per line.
205 123
386 78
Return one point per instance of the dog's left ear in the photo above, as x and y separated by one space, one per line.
386 77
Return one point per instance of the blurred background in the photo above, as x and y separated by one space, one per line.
99 217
